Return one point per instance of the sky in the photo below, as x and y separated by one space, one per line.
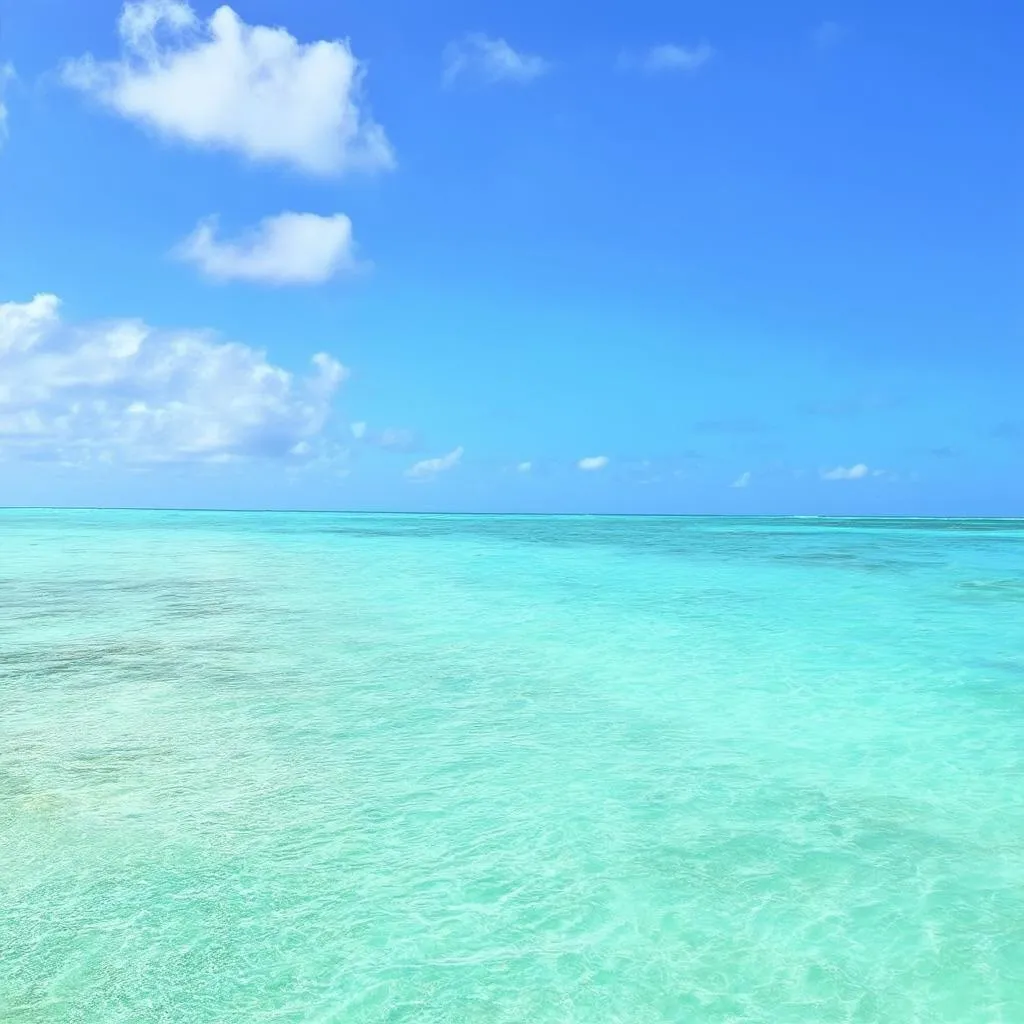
702 258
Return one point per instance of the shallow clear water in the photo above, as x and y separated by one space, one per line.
269 767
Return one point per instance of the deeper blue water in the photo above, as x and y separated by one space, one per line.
450 770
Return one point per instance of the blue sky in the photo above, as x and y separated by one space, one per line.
645 257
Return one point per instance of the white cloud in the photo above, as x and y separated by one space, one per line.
250 89
857 472
121 390
493 60
429 468
290 248
671 57
593 462
6 74
743 480
524 467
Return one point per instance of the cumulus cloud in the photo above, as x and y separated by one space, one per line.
289 248
222 84
491 60
670 57
743 480
857 472
427 469
121 390
6 74
593 462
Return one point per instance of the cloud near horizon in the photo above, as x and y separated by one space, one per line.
427 469
122 391
250 89
492 60
857 472
286 249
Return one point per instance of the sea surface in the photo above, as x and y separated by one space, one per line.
485 770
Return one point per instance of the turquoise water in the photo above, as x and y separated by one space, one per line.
269 767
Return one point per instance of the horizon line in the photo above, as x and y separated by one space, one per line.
538 515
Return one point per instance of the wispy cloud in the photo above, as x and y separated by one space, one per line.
427 469
669 58
6 75
287 249
491 60
743 480
857 472
392 439
524 467
219 83
395 439
593 462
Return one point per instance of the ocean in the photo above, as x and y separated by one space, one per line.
510 770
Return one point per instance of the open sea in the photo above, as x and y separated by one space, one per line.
510 770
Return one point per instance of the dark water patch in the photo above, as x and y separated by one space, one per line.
35 602
791 838
18 614
998 682
208 605
899 565
908 524
49 588
14 784
1012 585
96 662
989 591
117 761
374 533
817 558
864 561
1001 666
880 545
